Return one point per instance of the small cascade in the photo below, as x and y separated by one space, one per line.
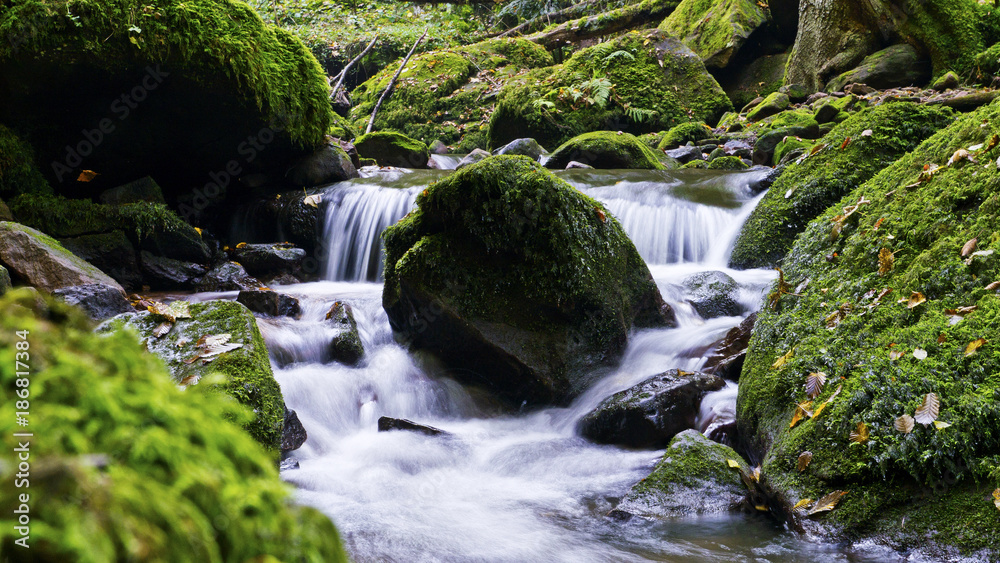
717 416
445 161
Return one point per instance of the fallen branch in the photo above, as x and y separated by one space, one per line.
545 20
622 19
388 89
343 73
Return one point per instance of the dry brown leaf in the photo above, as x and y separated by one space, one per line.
802 504
87 176
171 312
969 246
878 224
827 503
885 261
846 142
209 341
804 459
927 412
814 384
996 498
860 434
916 298
993 286
973 346
162 329
190 380
904 424
941 338
783 359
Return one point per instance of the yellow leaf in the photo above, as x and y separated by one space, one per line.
827 503
199 231
756 474
733 463
313 200
241 245
904 424
805 458
916 298
996 498
802 503
885 261
860 434
86 176
959 155
783 359
941 425
927 412
761 507
823 405
801 411
973 346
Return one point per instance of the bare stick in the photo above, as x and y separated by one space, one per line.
388 89
343 73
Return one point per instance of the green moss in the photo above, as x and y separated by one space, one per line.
126 466
445 95
828 175
838 325
649 71
715 30
341 128
683 134
247 370
18 172
606 149
949 29
390 148
789 144
690 461
211 41
727 163
774 103
987 63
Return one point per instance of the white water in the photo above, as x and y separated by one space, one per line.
498 488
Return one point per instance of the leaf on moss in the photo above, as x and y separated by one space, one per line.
904 424
993 286
805 458
927 412
781 361
895 355
827 503
847 141
885 261
784 288
971 348
958 156
920 353
860 434
915 299
802 504
190 380
814 384
969 246
940 425
996 498
162 329
171 312
878 224
969 260
802 411
733 463
867 133
823 405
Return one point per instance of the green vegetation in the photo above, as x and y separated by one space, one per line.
131 467
683 134
18 172
715 30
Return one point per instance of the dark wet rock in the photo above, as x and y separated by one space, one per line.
112 252
40 261
346 347
293 434
326 165
269 259
764 182
763 150
228 276
144 189
282 279
5 214
340 102
713 294
99 301
727 355
685 154
524 147
181 244
271 303
759 78
692 477
5 283
738 147
472 158
649 414
166 273
898 65
386 424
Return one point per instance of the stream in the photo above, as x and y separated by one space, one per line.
509 487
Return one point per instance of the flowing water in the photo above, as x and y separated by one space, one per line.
508 487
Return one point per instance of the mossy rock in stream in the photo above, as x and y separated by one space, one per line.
886 332
449 94
516 280
606 149
685 133
247 370
714 29
167 88
806 189
127 466
391 148
658 82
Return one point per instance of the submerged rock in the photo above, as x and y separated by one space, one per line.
649 414
605 149
516 281
389 148
99 301
386 424
43 263
693 477
346 347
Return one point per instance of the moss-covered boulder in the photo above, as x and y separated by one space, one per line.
892 67
391 148
132 467
246 369
806 189
449 94
5 283
605 149
683 134
693 477
715 29
773 104
791 146
40 261
206 82
637 83
900 304
516 280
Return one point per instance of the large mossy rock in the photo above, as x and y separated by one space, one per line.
649 71
516 280
715 29
168 88
134 468
605 149
693 477
448 95
887 332
247 370
806 189
892 67
40 261
391 148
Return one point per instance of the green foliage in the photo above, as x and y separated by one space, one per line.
126 466
18 173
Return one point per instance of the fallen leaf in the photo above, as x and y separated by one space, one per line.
904 424
172 312
885 261
601 215
801 411
190 380
971 348
814 384
823 405
968 261
846 142
802 504
162 329
920 353
313 200
860 434
969 246
941 425
86 176
783 359
866 133
916 298
993 286
755 474
927 412
878 224
213 340
895 354
827 503
733 463
957 156
996 498
241 245
941 338
761 507
804 459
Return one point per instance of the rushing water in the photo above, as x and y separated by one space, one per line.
503 487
